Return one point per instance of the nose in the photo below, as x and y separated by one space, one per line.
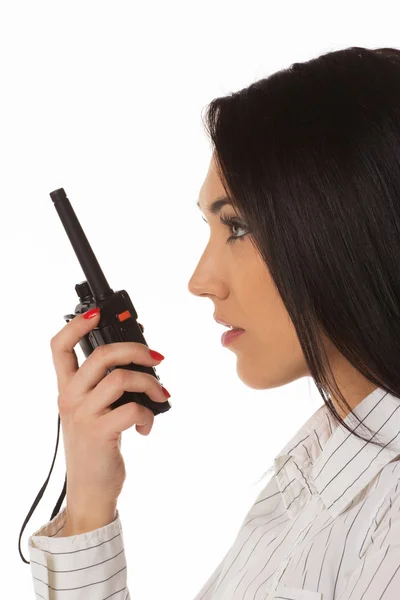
206 279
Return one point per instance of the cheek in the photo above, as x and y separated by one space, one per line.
271 355
271 362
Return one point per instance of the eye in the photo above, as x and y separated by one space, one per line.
231 222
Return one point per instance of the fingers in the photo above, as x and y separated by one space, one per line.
62 347
111 425
95 367
114 385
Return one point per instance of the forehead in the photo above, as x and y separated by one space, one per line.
212 186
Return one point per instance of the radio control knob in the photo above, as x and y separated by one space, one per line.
83 290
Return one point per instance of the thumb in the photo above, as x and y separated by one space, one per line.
63 343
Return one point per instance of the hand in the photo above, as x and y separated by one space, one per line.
91 430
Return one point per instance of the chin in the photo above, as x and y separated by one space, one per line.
263 378
255 380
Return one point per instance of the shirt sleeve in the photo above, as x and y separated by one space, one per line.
87 566
377 577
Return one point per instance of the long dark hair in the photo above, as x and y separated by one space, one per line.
310 156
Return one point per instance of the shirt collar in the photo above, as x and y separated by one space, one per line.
333 462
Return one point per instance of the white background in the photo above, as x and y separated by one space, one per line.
105 100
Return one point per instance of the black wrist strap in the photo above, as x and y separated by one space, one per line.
40 494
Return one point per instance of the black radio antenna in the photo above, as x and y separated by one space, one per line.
93 272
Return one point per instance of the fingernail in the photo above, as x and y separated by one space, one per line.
156 355
91 313
166 392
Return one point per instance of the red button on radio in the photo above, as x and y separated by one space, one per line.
124 315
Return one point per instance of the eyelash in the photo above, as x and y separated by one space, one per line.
230 222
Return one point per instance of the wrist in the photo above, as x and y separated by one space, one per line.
84 522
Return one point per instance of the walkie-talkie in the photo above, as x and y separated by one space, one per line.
118 323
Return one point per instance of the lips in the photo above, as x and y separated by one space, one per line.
227 324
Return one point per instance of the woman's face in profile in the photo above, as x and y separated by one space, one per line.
236 279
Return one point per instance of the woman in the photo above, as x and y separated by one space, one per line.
302 198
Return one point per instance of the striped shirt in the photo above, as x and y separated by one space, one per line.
325 527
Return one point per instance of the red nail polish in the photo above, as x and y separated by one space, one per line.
91 313
156 355
166 392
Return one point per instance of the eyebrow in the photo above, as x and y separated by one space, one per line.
217 204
